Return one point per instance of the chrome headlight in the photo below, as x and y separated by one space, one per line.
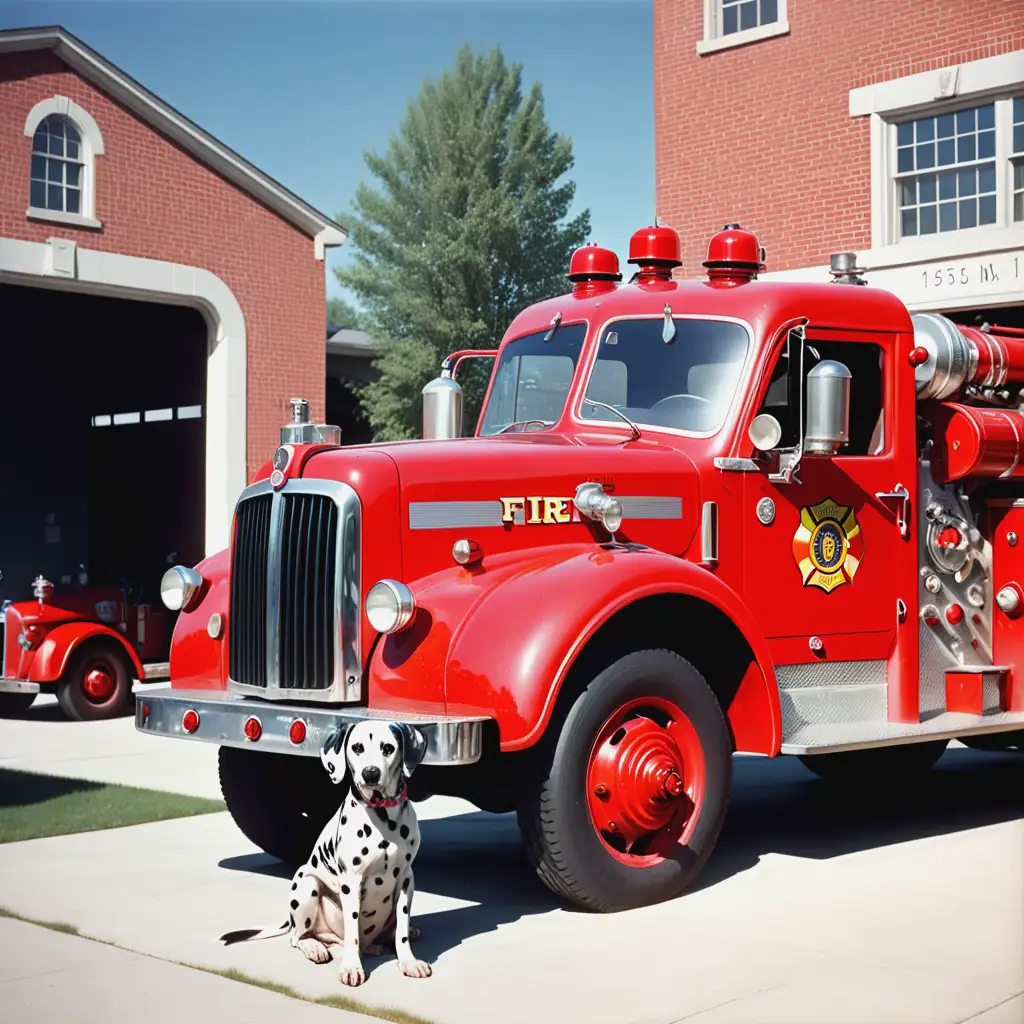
390 606
180 587
592 502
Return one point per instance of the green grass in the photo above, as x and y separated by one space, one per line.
335 1002
32 806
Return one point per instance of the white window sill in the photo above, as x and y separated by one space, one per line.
749 35
945 245
59 217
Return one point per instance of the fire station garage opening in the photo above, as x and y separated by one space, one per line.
103 420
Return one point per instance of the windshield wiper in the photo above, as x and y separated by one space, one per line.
622 416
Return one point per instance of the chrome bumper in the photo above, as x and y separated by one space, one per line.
450 741
17 686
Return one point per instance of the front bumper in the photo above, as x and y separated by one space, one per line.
18 686
450 741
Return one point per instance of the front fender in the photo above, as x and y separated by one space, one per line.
512 651
56 649
198 662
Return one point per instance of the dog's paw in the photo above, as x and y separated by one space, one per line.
415 969
315 950
352 976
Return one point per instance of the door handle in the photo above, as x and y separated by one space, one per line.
899 494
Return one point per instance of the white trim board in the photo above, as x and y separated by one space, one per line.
59 263
165 119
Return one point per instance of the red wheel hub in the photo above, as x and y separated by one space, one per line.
645 780
99 683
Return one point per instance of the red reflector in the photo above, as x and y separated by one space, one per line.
190 721
297 732
931 621
918 356
252 729
954 614
949 537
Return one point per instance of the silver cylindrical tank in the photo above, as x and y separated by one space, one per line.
828 408
951 360
442 408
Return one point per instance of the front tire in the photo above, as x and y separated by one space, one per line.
280 802
15 703
887 765
97 683
627 808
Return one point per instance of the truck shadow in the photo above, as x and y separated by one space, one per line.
778 806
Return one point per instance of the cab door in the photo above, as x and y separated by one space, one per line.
829 566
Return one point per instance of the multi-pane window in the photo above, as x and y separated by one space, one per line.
1018 158
951 169
740 15
946 172
57 167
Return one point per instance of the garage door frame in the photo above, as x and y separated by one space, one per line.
62 264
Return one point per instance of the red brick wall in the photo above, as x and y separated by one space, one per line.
156 201
761 134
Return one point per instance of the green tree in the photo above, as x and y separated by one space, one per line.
343 314
467 228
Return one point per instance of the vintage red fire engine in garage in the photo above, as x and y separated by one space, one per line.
85 645
696 517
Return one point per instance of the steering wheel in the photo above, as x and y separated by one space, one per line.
669 398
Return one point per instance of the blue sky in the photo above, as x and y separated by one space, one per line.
302 89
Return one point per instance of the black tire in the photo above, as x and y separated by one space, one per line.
1009 741
280 802
561 841
15 703
72 696
888 765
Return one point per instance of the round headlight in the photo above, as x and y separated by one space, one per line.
179 588
390 606
611 515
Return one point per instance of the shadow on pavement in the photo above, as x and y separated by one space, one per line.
23 789
778 806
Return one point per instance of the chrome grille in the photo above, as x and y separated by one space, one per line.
295 591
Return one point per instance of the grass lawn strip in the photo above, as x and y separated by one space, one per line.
33 806
335 1002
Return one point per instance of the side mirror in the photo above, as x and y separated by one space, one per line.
828 408
765 432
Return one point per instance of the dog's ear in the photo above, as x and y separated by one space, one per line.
332 754
412 745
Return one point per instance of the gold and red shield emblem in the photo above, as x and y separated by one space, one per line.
828 545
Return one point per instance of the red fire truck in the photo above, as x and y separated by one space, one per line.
86 645
695 518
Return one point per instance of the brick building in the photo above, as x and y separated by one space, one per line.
161 299
893 130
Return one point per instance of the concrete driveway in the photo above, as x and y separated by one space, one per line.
816 908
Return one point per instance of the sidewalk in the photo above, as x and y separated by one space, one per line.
45 975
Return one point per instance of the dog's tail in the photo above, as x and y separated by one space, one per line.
252 934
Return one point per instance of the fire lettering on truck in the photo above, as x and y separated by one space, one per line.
828 545
536 510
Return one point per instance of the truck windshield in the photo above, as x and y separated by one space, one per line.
687 384
532 379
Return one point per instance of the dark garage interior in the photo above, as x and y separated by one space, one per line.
103 420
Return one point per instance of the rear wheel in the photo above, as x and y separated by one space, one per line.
627 808
96 684
882 764
15 703
281 802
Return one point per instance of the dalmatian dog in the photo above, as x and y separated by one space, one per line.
354 894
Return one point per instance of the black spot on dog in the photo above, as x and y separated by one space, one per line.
369 929
345 890
355 915
405 884
300 874
230 938
309 921
405 909
382 845
404 831
408 857
330 847
356 861
353 803
294 904
344 820
396 872
313 860
413 842
332 871
359 833
370 913
382 814
295 886
392 825
312 895
387 899
404 938
379 881
366 850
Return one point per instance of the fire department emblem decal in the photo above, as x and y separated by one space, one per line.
828 545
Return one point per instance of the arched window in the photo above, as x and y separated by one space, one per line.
58 166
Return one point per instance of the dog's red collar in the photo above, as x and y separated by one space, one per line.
379 801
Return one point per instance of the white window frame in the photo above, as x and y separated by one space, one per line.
714 41
91 147
931 92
